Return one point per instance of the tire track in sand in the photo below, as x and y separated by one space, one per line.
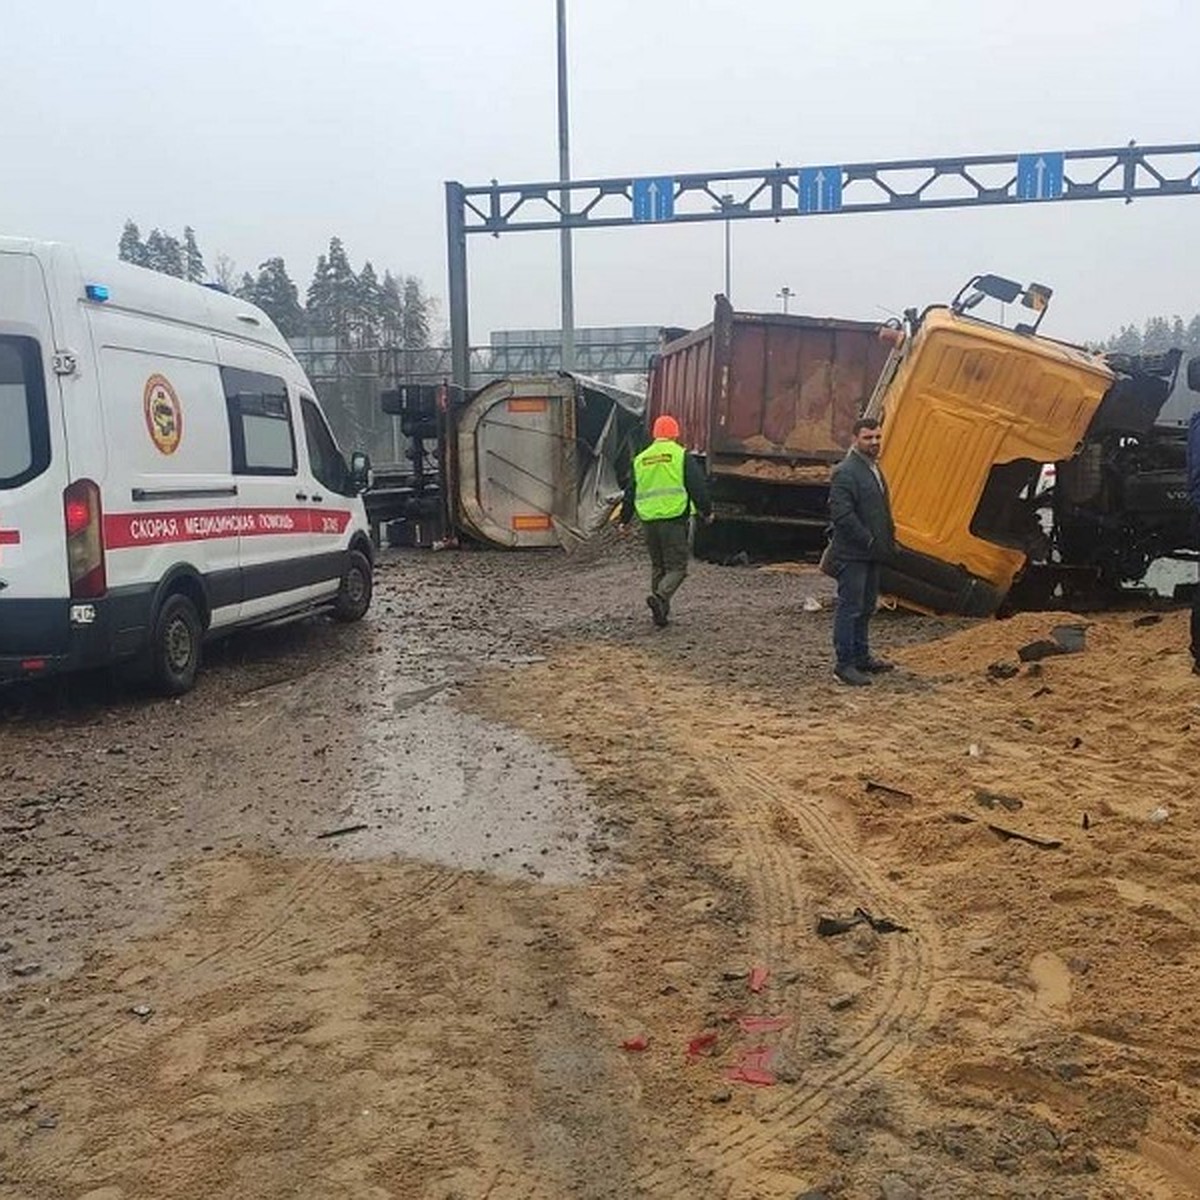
250 951
783 932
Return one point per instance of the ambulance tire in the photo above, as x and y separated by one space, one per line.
175 646
354 596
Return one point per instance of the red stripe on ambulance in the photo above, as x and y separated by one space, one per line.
124 530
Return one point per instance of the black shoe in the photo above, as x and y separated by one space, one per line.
657 608
876 666
851 676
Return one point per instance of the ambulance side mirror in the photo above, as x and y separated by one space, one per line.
360 472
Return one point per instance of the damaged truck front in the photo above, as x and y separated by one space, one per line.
974 412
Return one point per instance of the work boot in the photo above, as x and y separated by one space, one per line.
658 609
851 676
876 666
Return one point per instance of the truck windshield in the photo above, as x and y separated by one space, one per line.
25 437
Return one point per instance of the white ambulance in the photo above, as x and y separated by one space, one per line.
166 473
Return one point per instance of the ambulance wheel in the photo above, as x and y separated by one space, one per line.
354 596
175 648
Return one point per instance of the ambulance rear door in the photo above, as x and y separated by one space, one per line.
34 584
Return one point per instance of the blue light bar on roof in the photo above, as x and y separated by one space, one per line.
97 292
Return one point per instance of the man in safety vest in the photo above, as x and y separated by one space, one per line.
666 487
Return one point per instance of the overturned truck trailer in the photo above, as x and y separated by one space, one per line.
525 461
767 401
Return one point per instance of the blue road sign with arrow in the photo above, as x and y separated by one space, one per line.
1039 176
654 199
820 189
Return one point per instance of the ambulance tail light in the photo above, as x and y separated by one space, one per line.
85 543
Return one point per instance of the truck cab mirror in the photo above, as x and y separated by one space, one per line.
1194 374
360 472
999 288
1037 296
976 289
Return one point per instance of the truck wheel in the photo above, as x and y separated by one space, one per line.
354 596
175 646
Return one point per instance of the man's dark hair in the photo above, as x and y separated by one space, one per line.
866 423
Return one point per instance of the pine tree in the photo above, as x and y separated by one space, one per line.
1128 341
391 304
414 329
1156 338
275 293
193 261
319 300
164 253
343 288
368 307
131 248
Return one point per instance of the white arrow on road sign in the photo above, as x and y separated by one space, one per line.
654 198
820 189
1040 176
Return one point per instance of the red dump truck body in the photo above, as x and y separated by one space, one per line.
768 400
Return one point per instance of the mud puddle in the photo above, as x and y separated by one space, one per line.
450 788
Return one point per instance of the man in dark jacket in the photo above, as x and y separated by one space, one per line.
864 536
1193 477
665 485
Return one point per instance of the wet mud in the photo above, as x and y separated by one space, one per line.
506 893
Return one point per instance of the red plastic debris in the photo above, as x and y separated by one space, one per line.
754 1067
704 1041
763 1024
758 978
636 1043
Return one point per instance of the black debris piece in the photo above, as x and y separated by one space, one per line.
1036 651
993 800
333 833
1072 638
833 926
1007 834
872 785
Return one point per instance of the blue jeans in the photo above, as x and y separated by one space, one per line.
857 594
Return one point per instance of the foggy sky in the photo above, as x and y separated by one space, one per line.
270 126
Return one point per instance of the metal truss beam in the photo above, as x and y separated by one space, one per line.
1111 173
1124 173
435 365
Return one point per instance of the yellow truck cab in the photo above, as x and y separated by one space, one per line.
972 411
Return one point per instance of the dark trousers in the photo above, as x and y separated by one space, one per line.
1196 625
667 542
857 595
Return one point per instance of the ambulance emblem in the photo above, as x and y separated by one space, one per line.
164 414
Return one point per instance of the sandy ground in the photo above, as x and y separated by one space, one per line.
563 940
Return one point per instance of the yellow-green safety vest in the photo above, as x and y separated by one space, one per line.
660 493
